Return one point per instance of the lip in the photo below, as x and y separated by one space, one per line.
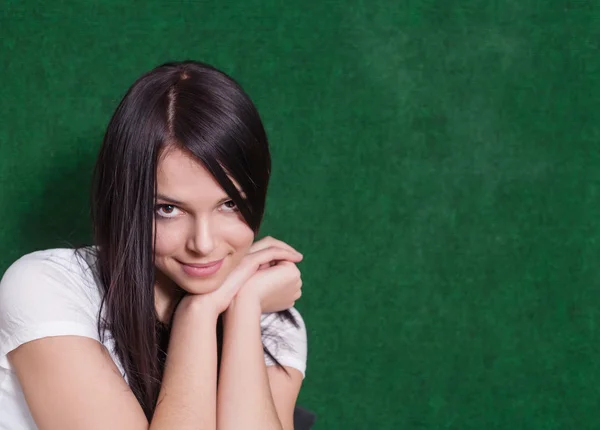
202 270
212 263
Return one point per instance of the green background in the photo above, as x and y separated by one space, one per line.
436 161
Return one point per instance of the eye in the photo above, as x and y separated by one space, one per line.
167 211
229 206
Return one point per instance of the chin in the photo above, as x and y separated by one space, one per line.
200 287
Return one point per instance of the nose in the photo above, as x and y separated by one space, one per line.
202 239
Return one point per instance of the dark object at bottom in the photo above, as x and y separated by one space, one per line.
303 419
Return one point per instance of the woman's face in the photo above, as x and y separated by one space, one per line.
196 223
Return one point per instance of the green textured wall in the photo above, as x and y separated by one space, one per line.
436 161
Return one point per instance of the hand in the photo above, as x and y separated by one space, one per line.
266 242
275 288
277 284
262 256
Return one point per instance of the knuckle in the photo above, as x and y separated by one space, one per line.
275 242
264 253
272 241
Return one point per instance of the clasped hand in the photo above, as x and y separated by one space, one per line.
267 277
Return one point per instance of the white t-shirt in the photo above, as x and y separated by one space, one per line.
55 293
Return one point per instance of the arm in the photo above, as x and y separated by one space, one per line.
250 395
285 390
244 396
71 382
187 398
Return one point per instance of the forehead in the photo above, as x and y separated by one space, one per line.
181 176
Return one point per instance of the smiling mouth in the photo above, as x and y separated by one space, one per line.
203 265
202 270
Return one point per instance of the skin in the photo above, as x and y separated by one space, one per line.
71 382
196 223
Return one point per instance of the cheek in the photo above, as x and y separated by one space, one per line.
239 237
168 238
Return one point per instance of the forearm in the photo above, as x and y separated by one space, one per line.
244 398
187 398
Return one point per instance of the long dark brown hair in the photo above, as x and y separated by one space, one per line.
205 112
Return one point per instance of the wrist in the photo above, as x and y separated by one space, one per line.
245 303
193 306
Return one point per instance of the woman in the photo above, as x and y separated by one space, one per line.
175 297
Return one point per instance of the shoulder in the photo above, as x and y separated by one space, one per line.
49 274
65 260
62 259
286 339
47 293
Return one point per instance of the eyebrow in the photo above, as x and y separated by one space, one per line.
178 203
168 199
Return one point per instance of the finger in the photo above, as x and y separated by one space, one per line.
267 265
252 262
290 268
287 271
272 254
268 242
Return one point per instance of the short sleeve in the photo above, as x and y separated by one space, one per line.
42 297
285 341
